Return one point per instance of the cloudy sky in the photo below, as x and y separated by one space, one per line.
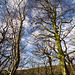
27 25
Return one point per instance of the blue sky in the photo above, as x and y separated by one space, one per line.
27 34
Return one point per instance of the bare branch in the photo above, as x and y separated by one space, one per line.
68 32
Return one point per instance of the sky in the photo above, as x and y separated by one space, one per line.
27 34
30 47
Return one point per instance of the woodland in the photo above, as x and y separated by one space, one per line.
37 37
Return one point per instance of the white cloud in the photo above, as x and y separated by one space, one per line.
23 55
73 1
25 23
36 32
23 39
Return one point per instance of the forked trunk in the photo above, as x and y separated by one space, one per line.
61 56
63 65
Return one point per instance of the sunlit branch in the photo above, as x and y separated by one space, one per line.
70 52
44 27
64 13
61 21
60 29
48 54
65 45
67 21
46 36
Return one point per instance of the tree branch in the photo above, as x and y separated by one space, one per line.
69 52
68 33
44 27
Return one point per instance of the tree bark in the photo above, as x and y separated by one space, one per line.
61 58
50 63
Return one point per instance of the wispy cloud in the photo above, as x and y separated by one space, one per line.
73 1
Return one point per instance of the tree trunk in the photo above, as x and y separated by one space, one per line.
61 57
50 63
63 64
16 64
70 65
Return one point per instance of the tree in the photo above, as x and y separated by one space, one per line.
42 50
55 16
12 18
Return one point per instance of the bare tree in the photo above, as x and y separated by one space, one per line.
55 16
13 15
